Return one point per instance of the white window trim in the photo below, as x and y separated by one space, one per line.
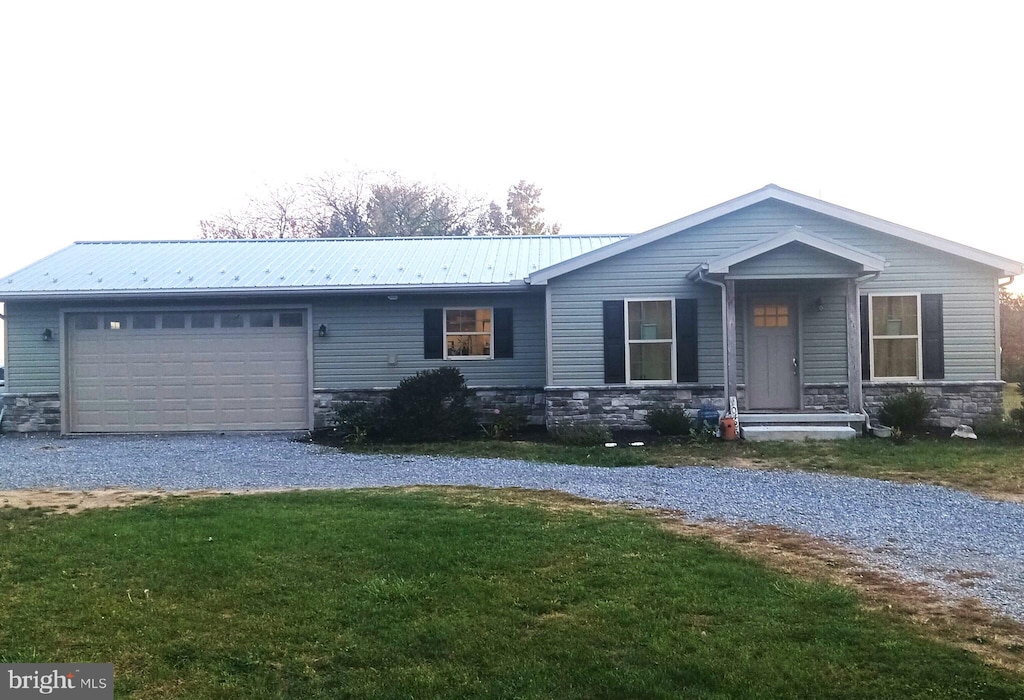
444 326
871 337
672 351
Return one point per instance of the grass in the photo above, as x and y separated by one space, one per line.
389 594
993 467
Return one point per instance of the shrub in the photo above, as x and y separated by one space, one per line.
670 421
508 422
905 411
429 406
360 422
996 428
582 434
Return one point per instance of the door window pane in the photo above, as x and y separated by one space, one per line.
115 323
231 320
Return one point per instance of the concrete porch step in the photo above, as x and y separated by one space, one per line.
807 418
757 433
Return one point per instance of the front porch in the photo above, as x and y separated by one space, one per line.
791 328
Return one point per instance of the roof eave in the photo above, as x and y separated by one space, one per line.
514 285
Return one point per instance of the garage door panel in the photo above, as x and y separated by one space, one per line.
187 379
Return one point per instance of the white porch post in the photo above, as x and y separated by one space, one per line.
853 359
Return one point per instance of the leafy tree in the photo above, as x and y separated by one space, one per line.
364 203
524 211
1011 322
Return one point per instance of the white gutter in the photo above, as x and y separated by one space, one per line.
725 333
1002 285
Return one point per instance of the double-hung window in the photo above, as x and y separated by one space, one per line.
650 340
895 322
468 334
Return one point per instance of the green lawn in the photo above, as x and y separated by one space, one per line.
433 593
989 466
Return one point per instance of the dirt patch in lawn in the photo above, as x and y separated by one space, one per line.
61 501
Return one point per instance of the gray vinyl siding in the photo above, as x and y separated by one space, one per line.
659 268
796 260
577 323
364 332
33 365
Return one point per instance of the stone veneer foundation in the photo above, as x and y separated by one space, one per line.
953 403
624 407
618 407
30 413
486 401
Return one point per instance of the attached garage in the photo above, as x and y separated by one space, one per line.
187 370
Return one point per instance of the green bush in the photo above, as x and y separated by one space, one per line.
360 422
507 422
670 421
996 428
905 411
429 406
582 434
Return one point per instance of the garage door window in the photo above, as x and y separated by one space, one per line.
291 319
115 323
173 321
232 320
202 320
86 322
144 322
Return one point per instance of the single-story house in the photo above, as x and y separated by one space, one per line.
783 307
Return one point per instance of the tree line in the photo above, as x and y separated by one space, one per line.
1011 323
380 204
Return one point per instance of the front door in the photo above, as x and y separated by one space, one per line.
773 372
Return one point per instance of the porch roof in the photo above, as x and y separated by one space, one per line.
856 261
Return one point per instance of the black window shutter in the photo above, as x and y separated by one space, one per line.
502 333
865 339
433 334
686 340
932 353
614 342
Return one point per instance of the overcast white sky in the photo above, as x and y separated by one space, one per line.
129 120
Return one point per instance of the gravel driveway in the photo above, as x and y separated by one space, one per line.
925 533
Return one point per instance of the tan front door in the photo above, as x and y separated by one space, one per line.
187 371
773 372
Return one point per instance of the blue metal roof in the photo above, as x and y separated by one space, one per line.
247 266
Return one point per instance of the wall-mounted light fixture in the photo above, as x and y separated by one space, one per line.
819 304
322 331
392 297
47 334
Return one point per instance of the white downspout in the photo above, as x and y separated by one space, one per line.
725 338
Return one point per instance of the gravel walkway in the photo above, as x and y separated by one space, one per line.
925 533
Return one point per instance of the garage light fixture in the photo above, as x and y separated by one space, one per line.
47 334
322 331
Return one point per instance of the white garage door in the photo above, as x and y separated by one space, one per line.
223 370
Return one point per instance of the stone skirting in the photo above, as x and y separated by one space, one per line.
623 407
30 413
486 401
953 403
832 398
